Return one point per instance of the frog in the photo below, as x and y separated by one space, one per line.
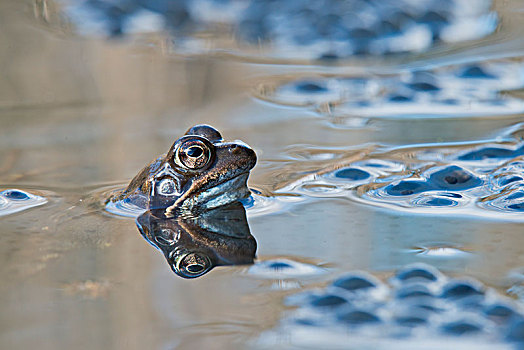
199 172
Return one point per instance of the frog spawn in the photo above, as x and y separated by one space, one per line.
283 268
323 30
446 186
14 200
463 190
483 181
331 29
458 91
419 302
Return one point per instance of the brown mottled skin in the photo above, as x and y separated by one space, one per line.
188 187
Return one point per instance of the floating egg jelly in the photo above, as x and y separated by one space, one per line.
14 200
419 301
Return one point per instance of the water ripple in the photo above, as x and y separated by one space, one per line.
256 205
125 208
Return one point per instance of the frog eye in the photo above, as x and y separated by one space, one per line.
193 154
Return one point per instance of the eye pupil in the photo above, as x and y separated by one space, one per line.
195 268
194 151
192 265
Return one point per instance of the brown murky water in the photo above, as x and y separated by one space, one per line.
80 115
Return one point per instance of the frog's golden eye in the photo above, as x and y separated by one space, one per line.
193 154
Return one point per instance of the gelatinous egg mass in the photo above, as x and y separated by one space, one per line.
480 181
15 200
358 308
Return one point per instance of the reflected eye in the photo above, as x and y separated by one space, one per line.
192 265
193 154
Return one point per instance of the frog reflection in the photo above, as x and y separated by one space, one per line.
194 245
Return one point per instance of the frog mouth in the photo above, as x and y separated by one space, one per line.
221 194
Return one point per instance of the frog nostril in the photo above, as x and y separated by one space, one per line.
234 149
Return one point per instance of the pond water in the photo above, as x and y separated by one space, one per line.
366 164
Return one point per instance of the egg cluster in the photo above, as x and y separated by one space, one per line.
419 302
13 200
472 181
324 29
470 90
